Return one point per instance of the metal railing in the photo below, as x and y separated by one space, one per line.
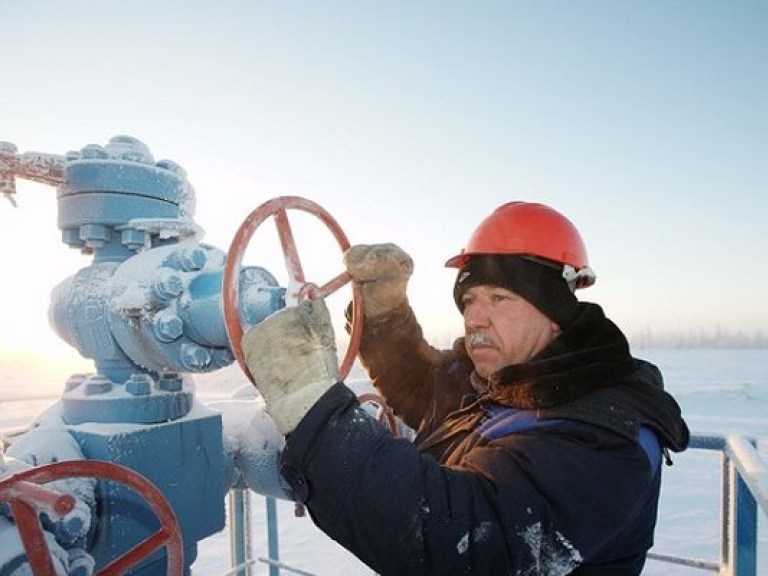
744 489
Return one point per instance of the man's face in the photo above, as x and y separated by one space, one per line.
501 328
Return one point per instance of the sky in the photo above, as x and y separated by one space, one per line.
409 121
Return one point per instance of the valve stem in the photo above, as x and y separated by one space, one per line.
36 166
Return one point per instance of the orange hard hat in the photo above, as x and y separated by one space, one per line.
533 230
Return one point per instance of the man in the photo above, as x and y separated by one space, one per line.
539 437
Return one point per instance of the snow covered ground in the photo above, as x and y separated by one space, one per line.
721 391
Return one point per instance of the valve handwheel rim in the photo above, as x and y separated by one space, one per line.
168 535
277 207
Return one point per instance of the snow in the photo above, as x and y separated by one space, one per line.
554 554
721 392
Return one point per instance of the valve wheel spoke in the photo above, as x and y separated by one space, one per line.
298 286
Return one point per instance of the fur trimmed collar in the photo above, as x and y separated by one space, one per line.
588 374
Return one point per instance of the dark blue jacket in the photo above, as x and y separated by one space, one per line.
508 480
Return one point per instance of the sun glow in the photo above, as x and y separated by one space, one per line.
43 366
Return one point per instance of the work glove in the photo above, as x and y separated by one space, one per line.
292 358
383 270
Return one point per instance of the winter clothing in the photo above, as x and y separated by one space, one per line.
292 358
539 282
551 467
383 270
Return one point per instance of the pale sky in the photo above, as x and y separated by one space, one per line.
646 123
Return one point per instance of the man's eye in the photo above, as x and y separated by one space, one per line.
499 297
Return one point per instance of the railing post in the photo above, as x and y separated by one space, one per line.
726 515
240 533
744 522
272 537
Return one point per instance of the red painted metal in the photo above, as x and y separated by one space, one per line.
53 503
27 500
288 243
15 490
35 547
277 207
385 416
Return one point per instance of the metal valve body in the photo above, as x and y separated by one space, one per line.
147 311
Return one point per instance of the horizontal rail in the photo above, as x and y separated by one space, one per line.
690 562
283 566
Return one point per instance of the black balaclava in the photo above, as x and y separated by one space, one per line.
539 283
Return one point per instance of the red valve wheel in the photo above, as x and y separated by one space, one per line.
277 207
385 416
26 503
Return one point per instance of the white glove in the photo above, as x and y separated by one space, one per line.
292 357
383 270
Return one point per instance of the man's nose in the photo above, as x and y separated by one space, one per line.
475 314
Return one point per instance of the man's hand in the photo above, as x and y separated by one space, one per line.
383 270
292 357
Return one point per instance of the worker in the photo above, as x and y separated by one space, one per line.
539 437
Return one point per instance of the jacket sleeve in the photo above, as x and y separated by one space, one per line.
401 363
531 504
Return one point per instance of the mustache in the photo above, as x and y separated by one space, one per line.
479 339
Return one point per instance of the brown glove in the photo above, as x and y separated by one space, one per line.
383 270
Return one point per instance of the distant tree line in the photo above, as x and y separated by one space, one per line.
717 338
669 339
